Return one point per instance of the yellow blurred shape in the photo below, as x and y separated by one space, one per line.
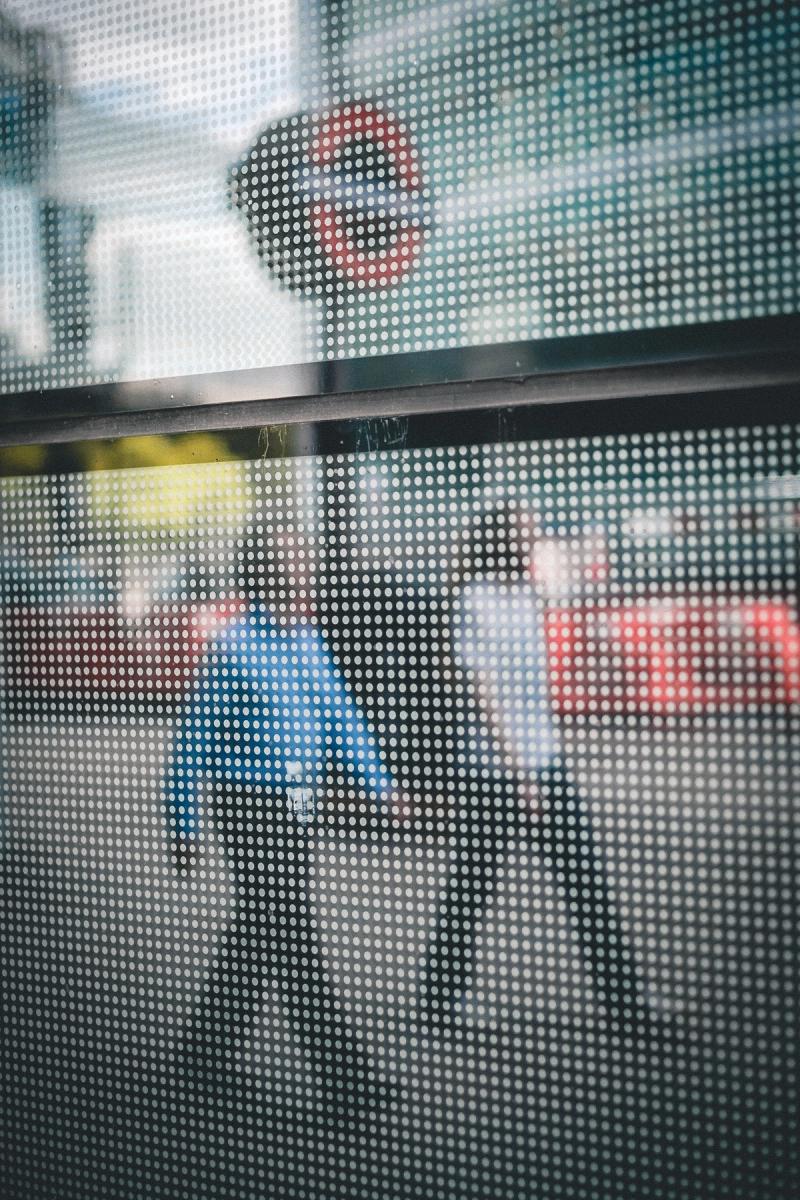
22 460
168 482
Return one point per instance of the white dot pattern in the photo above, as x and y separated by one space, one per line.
197 187
403 823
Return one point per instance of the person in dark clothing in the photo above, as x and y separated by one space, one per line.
270 716
520 783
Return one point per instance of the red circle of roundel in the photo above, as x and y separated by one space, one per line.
389 264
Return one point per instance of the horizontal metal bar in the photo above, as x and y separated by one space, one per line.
460 366
659 379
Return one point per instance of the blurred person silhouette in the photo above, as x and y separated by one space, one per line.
270 719
520 782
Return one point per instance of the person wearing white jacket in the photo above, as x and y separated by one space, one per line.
520 783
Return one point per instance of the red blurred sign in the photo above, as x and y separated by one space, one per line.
100 650
335 199
369 262
674 656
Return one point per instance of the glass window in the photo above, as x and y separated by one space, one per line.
413 821
193 188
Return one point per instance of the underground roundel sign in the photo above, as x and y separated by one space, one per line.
335 201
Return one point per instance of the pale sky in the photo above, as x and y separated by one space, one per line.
162 96
224 68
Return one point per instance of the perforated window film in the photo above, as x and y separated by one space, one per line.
195 188
404 823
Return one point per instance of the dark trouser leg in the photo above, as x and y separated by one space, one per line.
234 991
272 945
565 836
300 976
483 842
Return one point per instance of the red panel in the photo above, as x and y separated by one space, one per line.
677 655
101 651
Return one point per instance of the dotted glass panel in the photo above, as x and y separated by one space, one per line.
406 823
199 187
